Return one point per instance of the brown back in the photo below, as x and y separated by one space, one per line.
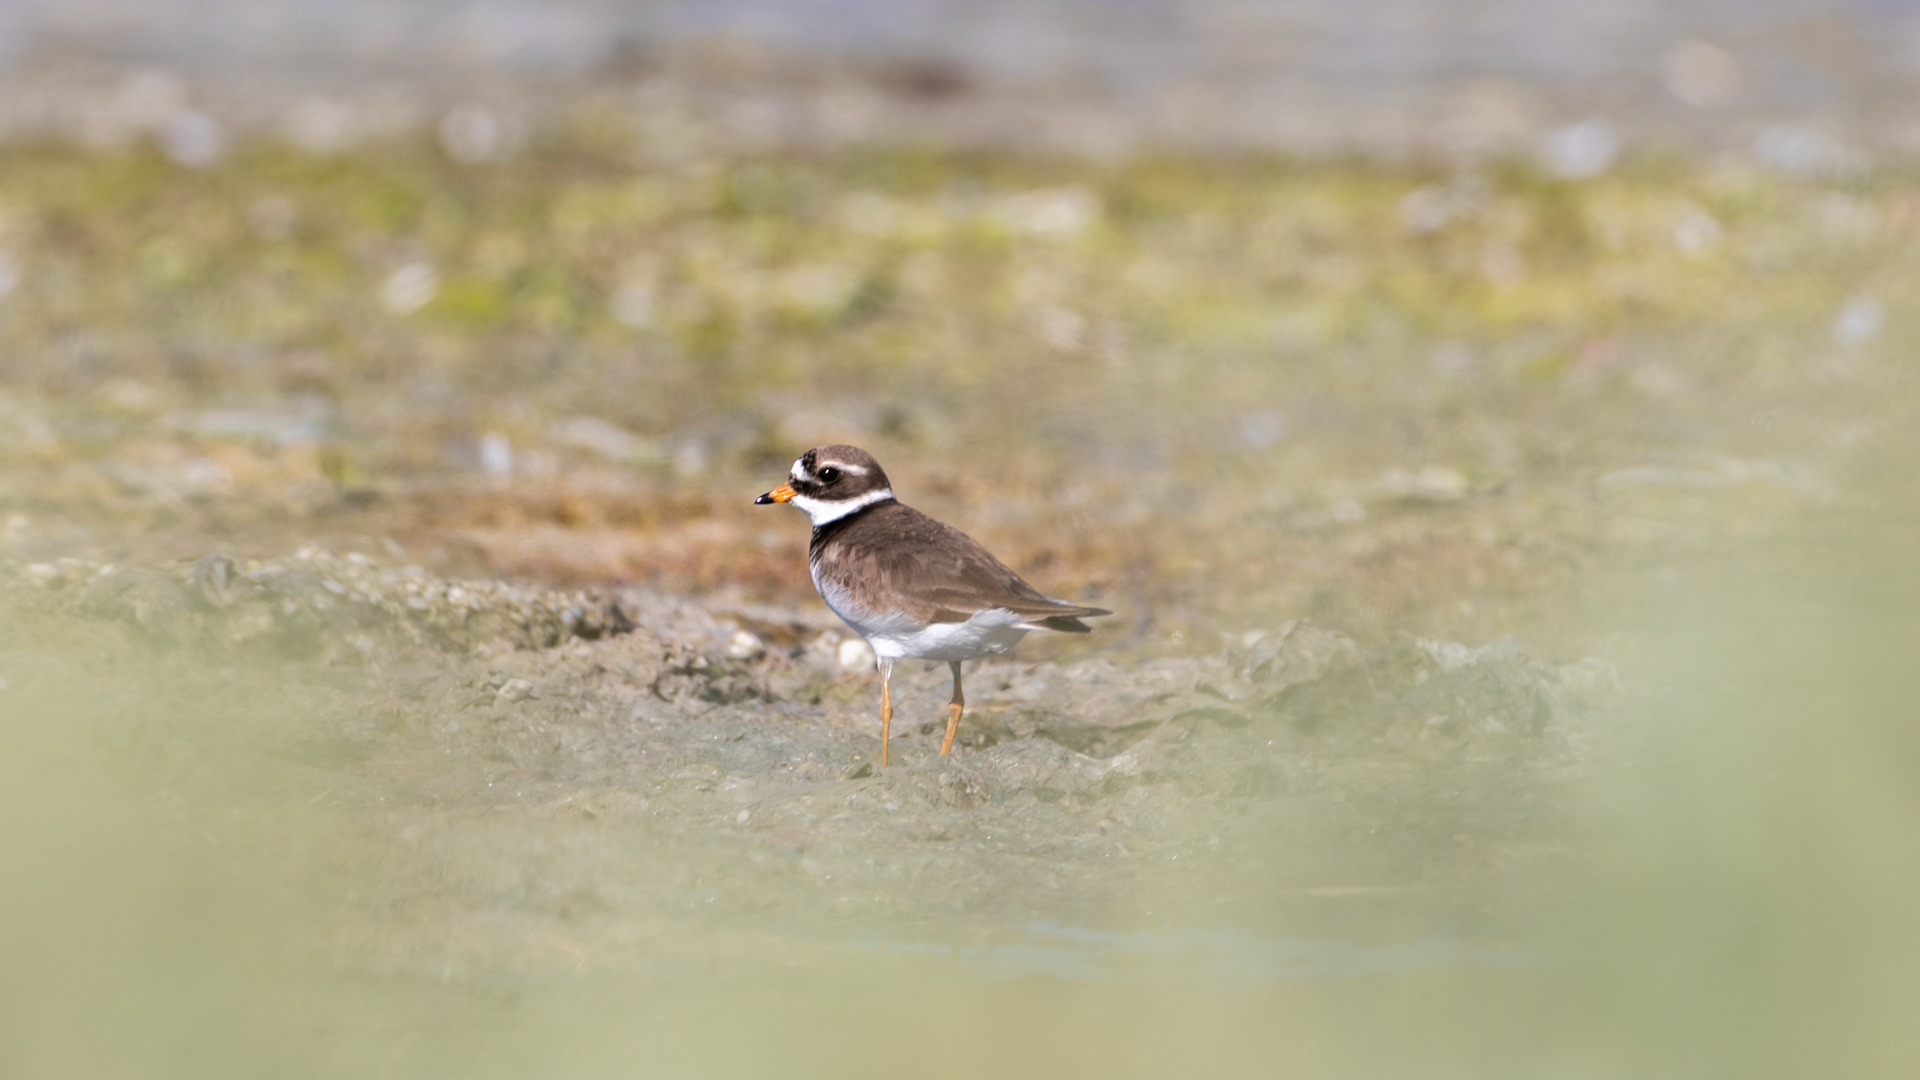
900 559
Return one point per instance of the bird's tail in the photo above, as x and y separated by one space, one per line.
1068 623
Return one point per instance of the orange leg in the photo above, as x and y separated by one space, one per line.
954 708
886 708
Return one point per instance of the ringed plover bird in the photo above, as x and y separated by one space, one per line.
913 588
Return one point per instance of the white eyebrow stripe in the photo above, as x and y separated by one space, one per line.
857 470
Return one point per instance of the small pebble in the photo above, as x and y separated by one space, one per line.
745 646
855 655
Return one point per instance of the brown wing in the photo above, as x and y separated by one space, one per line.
934 572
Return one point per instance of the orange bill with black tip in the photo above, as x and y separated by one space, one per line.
783 493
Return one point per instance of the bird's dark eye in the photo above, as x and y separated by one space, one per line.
829 474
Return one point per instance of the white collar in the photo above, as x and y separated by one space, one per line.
822 512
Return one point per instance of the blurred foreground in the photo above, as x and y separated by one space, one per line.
235 851
305 770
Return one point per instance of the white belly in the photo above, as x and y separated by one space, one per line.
898 638
986 634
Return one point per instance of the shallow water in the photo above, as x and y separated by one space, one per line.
1286 74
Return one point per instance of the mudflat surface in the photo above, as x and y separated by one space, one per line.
590 778
334 816
1510 670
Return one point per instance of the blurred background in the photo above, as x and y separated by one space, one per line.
535 288
1587 322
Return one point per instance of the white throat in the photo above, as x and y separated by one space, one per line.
820 511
